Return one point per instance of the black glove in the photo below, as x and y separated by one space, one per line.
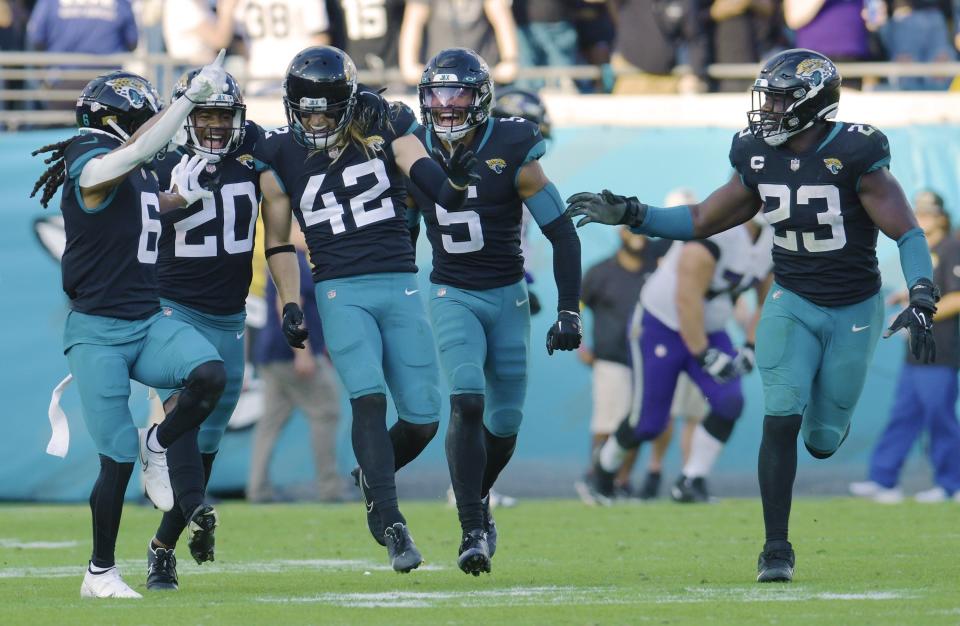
566 332
917 318
718 364
605 208
293 328
745 360
459 166
534 303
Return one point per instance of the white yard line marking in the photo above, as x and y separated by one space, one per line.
6 542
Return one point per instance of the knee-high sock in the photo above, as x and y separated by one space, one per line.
173 521
186 472
197 399
409 440
499 452
467 457
776 469
106 505
374 452
707 444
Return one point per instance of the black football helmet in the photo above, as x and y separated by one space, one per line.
117 103
231 99
321 79
525 104
795 89
455 93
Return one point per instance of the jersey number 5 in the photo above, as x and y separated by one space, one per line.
474 240
832 217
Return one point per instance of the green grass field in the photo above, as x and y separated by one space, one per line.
559 562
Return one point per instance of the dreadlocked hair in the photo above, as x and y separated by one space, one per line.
51 179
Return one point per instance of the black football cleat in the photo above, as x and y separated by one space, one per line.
596 488
373 516
690 490
776 563
200 528
161 570
474 556
650 489
489 526
403 553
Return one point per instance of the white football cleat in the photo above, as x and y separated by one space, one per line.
155 476
931 496
865 489
888 496
108 584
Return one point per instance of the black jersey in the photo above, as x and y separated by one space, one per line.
206 249
108 264
825 243
350 202
478 245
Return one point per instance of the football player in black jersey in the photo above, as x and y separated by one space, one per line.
116 331
342 160
826 188
204 269
479 303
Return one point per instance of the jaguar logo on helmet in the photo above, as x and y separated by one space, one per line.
133 91
815 70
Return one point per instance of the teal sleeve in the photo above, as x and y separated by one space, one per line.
545 205
915 258
674 222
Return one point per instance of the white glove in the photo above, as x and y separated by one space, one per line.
185 179
211 79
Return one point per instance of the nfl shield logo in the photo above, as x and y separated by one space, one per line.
210 168
331 294
442 292
794 164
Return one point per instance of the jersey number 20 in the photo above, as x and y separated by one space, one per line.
832 217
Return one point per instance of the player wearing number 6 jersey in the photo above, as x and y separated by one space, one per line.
204 271
826 188
479 303
341 161
115 331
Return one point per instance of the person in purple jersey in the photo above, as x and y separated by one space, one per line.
341 162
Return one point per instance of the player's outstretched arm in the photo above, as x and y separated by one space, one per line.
443 178
732 204
886 204
103 173
282 256
546 207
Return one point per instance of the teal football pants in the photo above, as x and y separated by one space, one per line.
163 357
813 361
378 337
483 337
225 333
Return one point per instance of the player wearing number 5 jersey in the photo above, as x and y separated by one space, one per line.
204 270
341 162
479 303
116 331
826 188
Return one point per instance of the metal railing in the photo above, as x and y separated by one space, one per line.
40 72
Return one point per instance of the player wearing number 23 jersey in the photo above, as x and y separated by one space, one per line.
342 161
826 188
479 303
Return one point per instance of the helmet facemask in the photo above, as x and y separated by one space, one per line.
778 113
206 133
452 109
336 114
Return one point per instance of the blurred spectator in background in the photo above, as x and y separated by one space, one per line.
275 31
13 25
81 26
485 26
610 292
373 33
595 37
917 31
650 36
546 36
295 379
740 28
836 28
193 33
926 394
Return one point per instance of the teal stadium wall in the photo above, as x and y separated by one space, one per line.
554 440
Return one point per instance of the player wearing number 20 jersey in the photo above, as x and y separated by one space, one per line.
479 303
826 189
342 161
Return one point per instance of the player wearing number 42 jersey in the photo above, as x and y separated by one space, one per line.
204 269
341 162
826 188
479 303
